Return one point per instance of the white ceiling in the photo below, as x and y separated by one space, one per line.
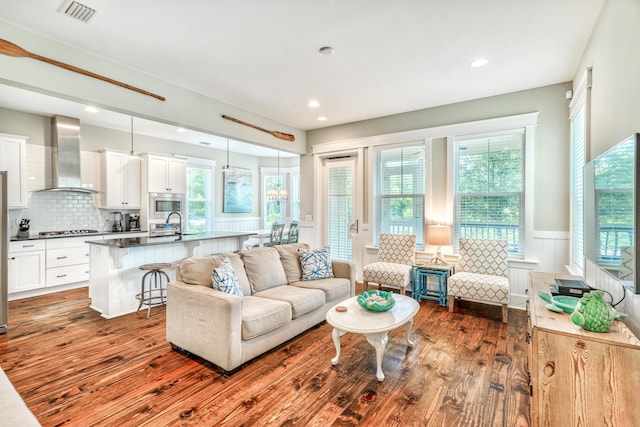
390 56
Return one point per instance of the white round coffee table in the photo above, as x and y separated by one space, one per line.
372 324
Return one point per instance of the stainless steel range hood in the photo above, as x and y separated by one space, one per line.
65 156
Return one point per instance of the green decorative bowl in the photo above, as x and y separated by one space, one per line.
375 300
560 303
566 303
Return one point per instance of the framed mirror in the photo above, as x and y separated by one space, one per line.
610 211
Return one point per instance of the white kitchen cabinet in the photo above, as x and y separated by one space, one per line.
67 261
13 155
120 181
166 174
26 266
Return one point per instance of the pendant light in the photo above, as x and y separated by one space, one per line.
278 194
132 153
227 167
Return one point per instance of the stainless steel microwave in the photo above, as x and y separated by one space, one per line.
162 204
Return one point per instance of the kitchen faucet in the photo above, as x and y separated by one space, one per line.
179 232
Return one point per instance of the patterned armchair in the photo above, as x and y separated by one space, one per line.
481 274
396 256
626 263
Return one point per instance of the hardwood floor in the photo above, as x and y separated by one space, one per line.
74 368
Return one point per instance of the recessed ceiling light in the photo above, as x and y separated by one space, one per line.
181 130
480 62
322 119
326 50
313 103
91 109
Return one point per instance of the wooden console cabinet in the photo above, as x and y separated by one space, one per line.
580 378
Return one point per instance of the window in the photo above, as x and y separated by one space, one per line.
488 194
579 113
274 210
198 197
339 208
294 196
399 186
287 186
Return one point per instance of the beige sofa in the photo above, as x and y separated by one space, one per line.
276 305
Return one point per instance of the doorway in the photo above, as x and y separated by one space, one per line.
342 206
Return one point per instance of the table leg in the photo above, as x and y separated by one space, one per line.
336 334
408 331
379 342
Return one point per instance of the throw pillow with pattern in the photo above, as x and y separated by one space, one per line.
315 263
224 279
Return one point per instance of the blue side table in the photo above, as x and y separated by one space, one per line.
436 290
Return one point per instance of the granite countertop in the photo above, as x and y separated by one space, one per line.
129 242
64 236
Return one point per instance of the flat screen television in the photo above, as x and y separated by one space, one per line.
610 211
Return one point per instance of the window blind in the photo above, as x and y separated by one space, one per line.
339 211
399 186
578 155
489 195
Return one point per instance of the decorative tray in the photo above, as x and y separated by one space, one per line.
375 300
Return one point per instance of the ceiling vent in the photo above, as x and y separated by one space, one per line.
78 11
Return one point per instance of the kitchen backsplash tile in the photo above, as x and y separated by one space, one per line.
61 210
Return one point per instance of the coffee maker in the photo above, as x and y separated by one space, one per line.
134 222
117 222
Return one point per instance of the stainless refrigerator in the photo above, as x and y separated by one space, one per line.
4 247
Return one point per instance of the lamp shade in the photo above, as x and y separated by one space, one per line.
438 235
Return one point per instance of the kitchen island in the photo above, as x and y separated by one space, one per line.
115 278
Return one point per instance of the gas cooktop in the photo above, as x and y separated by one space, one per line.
66 233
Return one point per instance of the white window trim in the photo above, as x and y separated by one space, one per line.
529 129
428 199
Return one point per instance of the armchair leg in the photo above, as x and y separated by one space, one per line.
505 313
452 302
366 285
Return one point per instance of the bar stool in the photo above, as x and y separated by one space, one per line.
153 296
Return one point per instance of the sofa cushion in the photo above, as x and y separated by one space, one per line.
315 263
290 259
262 315
334 288
302 301
197 270
225 279
264 269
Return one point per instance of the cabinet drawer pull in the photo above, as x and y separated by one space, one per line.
28 246
61 276
61 257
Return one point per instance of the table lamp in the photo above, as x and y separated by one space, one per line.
439 236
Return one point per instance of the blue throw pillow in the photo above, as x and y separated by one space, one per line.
224 279
315 263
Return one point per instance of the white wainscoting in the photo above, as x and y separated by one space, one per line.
237 224
550 253
598 278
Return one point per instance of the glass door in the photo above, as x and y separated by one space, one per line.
341 210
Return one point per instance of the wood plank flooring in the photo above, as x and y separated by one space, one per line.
74 368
